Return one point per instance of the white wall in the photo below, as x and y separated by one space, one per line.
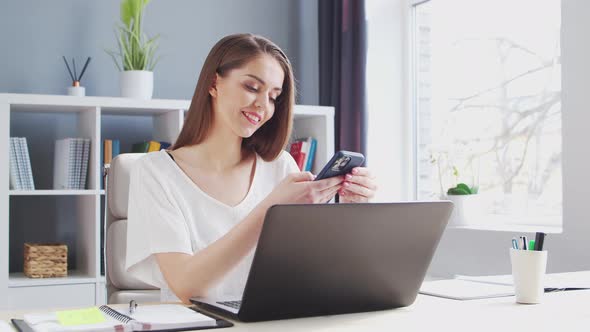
481 252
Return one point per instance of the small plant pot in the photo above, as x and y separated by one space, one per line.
137 84
467 210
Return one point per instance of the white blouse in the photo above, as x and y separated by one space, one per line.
168 212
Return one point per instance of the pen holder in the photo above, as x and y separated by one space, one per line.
528 272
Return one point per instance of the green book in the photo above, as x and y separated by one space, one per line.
141 147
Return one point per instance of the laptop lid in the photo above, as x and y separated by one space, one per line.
323 259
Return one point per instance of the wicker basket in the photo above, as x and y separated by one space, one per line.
46 260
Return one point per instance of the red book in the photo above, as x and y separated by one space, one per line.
299 156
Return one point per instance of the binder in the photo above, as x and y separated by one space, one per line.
119 321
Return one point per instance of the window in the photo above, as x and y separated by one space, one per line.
487 103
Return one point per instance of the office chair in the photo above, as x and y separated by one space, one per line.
121 287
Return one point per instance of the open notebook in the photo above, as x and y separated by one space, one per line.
162 317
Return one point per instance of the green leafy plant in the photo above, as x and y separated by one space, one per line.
462 189
136 50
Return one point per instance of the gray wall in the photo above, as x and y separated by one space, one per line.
34 34
479 252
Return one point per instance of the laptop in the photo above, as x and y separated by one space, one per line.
326 259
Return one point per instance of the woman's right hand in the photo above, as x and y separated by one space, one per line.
299 188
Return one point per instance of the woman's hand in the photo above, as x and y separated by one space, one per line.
299 188
358 187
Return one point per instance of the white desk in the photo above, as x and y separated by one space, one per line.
563 311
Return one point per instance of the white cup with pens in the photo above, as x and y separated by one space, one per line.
529 263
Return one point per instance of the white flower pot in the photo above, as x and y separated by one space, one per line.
467 210
138 84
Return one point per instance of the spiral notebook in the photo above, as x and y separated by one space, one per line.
162 317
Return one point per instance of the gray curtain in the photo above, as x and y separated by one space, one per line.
343 56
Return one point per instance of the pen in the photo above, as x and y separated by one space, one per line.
539 239
531 244
514 243
523 239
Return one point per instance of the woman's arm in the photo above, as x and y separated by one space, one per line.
192 275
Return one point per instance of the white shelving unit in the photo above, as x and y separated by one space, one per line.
74 216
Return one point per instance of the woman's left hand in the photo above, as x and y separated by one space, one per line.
358 187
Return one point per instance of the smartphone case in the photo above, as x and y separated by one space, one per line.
333 168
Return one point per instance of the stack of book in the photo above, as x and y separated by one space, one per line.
21 175
303 151
149 146
70 164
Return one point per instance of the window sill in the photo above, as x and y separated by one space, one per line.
511 228
503 223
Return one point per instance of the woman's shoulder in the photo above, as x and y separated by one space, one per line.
152 162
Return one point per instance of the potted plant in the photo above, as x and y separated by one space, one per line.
467 210
135 58
453 185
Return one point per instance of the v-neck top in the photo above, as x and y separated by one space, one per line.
168 212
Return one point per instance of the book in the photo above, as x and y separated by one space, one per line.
115 148
108 151
79 147
29 182
85 157
296 152
153 146
160 317
71 163
164 145
20 162
141 147
15 181
64 164
310 156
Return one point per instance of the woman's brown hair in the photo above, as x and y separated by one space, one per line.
232 52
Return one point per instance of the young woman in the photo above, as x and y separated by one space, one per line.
196 211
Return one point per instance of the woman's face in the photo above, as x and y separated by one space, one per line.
244 99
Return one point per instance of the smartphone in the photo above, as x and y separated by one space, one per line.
340 164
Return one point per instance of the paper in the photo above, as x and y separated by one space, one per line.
80 317
579 279
464 290
4 327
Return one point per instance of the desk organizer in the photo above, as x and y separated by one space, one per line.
46 260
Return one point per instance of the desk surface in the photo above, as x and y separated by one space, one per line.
558 312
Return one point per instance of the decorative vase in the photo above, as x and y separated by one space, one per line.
466 211
138 84
76 90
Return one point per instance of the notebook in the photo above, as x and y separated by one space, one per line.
162 317
458 289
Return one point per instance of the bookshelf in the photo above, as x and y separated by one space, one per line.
74 216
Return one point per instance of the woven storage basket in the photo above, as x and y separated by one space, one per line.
45 260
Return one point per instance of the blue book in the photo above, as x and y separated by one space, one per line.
164 145
312 147
116 148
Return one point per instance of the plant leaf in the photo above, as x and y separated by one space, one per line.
457 191
464 187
